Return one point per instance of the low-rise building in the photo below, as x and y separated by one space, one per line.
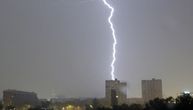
20 98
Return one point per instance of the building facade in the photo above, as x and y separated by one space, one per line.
115 92
20 98
151 89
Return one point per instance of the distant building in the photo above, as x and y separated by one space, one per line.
116 92
151 89
20 98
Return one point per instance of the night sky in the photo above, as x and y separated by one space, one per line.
63 47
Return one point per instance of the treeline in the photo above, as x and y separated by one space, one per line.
183 102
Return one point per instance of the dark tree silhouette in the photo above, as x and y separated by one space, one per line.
45 104
36 108
135 107
95 104
156 104
170 103
1 106
121 107
10 107
103 108
184 102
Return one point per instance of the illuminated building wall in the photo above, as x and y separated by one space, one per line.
116 92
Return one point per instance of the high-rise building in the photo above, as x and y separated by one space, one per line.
19 98
151 89
116 92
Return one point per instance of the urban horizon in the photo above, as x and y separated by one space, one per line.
67 97
69 48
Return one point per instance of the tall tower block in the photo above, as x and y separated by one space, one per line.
115 92
151 89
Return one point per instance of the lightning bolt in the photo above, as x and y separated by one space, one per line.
114 38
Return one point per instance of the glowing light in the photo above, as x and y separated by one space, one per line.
114 38
186 92
69 107
90 106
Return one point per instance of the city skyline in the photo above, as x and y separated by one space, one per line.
63 47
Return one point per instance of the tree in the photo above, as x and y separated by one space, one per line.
184 102
10 107
121 107
95 104
1 106
45 104
103 108
170 103
135 107
170 100
36 108
156 104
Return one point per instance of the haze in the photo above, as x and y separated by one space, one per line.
63 47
